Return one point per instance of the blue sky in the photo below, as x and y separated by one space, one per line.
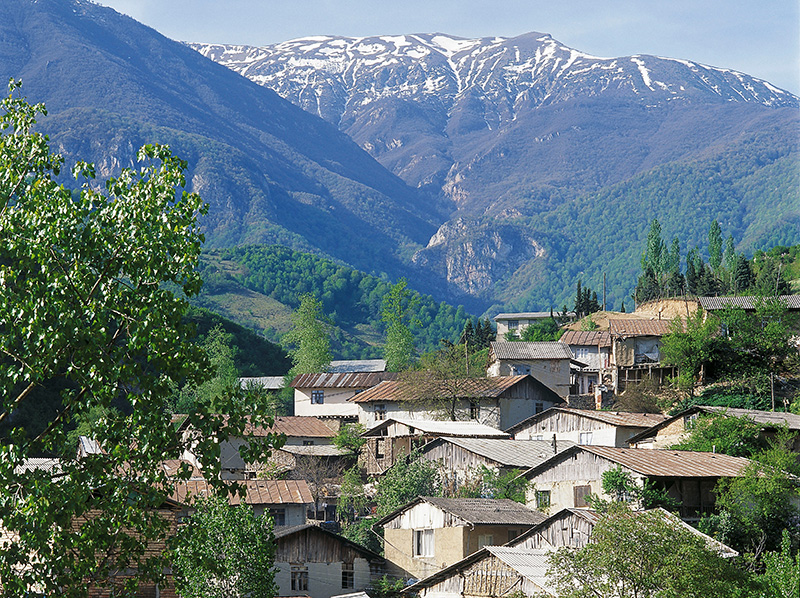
759 38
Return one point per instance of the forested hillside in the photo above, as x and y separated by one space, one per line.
241 282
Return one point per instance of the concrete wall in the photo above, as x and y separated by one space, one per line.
324 579
448 548
553 373
334 402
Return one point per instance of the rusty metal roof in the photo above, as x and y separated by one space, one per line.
613 418
509 453
672 464
467 388
531 351
300 425
747 303
628 327
259 492
587 338
468 429
341 380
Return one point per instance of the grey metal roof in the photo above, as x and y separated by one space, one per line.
52 466
315 450
265 382
353 366
613 418
509 453
470 429
749 303
529 563
486 511
526 315
531 351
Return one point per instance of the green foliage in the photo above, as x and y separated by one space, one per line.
224 551
86 310
585 301
644 555
360 531
488 483
721 433
396 309
349 438
406 480
690 344
546 330
310 337
781 577
386 587
622 488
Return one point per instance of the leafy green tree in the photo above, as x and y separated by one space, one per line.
86 309
655 250
722 433
690 344
349 438
406 480
619 484
715 246
310 337
224 551
398 305
781 577
490 483
644 555
225 378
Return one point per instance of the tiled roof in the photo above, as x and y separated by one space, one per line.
509 453
346 380
591 338
716 303
626 328
471 429
531 351
669 463
259 492
357 366
614 418
468 388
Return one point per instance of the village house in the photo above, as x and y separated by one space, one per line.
498 402
462 459
518 322
313 561
327 395
636 352
585 426
745 302
592 348
673 430
430 533
548 362
394 438
567 478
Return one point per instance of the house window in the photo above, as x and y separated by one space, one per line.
348 576
380 448
380 412
513 324
299 578
308 443
474 410
278 516
423 542
538 407
485 540
317 397
376 570
586 438
579 494
542 499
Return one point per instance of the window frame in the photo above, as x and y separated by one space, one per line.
299 578
318 397
421 547
348 576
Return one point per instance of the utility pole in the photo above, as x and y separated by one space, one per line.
604 291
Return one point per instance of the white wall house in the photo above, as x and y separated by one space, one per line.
327 395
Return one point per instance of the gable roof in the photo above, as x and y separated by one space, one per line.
341 380
530 351
475 511
627 328
586 338
470 429
747 303
282 532
471 388
508 453
658 463
258 492
302 425
612 418
768 419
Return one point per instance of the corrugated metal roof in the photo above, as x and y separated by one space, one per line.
302 425
487 511
346 380
52 466
626 328
265 382
613 418
469 388
315 450
587 338
259 492
765 418
529 563
531 351
670 464
509 453
357 365
525 315
469 429
749 303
